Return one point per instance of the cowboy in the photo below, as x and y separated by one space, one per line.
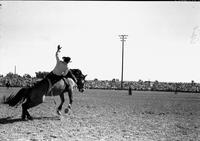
61 69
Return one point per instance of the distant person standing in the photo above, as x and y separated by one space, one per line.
130 90
8 84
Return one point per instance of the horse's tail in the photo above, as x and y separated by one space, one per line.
17 98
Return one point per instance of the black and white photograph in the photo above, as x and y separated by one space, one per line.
99 71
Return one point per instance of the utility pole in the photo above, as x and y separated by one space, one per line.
123 39
15 70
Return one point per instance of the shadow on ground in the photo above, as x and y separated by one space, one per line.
8 120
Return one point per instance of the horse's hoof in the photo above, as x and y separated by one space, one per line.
58 112
29 118
23 117
66 110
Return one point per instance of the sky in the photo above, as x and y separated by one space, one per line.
163 40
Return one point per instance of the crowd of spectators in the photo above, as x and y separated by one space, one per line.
15 80
144 85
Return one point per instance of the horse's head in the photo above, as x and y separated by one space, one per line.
80 79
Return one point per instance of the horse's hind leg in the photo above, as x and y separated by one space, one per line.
25 113
25 106
62 98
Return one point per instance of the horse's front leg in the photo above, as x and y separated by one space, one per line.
62 98
70 94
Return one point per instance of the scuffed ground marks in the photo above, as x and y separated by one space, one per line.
102 115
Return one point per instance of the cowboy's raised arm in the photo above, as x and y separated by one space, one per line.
58 50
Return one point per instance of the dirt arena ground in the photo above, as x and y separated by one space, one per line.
107 115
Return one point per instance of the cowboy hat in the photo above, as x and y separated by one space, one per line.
66 59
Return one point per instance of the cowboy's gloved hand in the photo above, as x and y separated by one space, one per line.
59 47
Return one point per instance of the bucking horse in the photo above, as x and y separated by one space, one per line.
30 97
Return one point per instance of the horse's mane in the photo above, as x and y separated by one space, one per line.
76 72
